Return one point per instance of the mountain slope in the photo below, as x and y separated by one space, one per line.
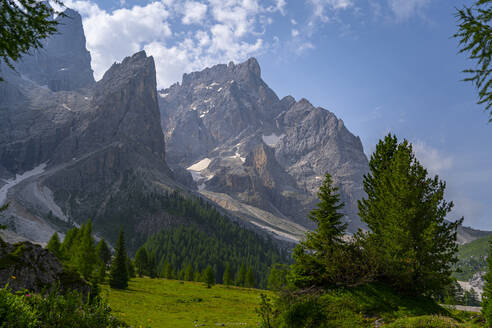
262 157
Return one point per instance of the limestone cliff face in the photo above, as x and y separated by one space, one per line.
92 149
262 151
64 62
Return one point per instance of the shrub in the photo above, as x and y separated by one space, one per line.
54 310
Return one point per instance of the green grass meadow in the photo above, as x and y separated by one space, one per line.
160 303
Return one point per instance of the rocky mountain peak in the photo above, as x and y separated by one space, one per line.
63 63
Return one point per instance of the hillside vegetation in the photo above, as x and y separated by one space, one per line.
472 258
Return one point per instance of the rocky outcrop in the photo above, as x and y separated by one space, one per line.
29 266
63 62
237 138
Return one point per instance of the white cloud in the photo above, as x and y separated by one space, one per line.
295 33
182 36
194 12
404 9
431 158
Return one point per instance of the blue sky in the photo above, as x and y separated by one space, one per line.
380 65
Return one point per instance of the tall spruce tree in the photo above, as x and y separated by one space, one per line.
315 257
102 250
142 261
188 272
241 275
487 290
405 211
208 276
227 276
250 278
118 277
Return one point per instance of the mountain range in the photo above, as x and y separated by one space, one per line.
72 148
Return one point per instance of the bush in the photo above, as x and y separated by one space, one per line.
54 310
15 312
428 321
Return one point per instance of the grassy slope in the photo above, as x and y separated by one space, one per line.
170 303
472 258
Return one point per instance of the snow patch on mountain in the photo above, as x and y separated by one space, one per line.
272 140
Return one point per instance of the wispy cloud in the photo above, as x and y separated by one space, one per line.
404 9
431 158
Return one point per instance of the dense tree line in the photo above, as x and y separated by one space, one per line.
235 256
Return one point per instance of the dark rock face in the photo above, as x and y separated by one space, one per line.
93 149
64 62
237 138
29 266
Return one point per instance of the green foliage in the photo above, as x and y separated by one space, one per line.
428 321
142 262
103 252
118 277
216 244
208 276
250 278
487 290
15 312
277 279
472 258
54 245
25 310
241 276
23 24
405 210
227 276
265 311
188 273
475 38
84 256
361 306
314 257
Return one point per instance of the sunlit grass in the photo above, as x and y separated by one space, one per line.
170 303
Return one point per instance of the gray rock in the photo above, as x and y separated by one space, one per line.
263 151
63 62
28 266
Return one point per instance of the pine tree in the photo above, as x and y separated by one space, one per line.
102 250
208 276
167 272
227 277
315 258
405 211
142 261
118 277
54 245
188 274
487 290
130 267
241 275
250 278
277 277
